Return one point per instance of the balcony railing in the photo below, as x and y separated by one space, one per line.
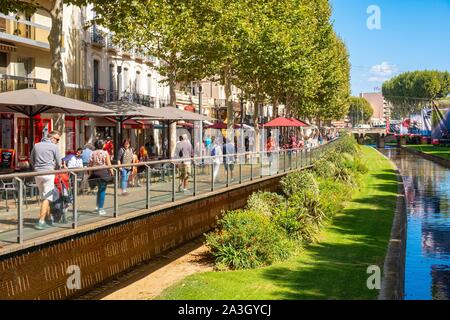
24 32
96 37
12 82
110 43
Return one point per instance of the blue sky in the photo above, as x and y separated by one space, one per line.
414 35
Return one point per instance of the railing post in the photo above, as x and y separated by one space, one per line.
284 160
212 174
194 193
251 166
296 159
116 192
148 175
173 181
20 212
261 164
75 201
240 171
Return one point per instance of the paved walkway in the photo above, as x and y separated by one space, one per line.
160 193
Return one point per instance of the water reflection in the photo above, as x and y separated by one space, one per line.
427 187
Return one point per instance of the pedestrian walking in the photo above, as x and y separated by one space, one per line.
100 178
216 154
229 151
183 150
45 157
125 156
109 147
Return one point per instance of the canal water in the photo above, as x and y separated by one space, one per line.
427 186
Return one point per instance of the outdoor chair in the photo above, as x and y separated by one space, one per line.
6 187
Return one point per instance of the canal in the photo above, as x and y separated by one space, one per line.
427 187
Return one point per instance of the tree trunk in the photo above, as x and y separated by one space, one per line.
256 121
56 66
54 39
228 96
173 125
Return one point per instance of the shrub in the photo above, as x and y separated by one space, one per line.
297 224
324 168
247 239
347 144
299 183
347 160
333 194
267 203
361 166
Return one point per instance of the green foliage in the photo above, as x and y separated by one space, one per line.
325 168
299 183
267 203
297 225
360 110
410 91
246 239
255 236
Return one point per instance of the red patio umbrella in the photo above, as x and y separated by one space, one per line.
299 123
284 122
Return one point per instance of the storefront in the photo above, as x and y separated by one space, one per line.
15 135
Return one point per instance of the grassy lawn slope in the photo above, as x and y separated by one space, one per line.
442 152
334 268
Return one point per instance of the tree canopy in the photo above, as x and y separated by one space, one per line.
360 110
275 51
411 91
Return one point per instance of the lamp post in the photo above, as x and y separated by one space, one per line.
200 143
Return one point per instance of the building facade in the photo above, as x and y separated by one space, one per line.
381 108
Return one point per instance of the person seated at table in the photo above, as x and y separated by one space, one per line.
73 161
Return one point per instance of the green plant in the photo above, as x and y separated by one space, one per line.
333 195
246 239
267 203
297 224
298 183
324 168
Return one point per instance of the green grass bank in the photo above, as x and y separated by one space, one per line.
438 151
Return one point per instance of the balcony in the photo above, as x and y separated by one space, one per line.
12 82
111 46
97 38
24 32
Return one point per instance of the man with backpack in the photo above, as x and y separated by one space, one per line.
45 157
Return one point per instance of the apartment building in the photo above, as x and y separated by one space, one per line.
94 70
381 108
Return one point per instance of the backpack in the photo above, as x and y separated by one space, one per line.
127 157
213 151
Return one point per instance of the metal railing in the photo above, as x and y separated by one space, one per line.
97 37
207 174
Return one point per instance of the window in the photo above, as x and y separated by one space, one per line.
111 77
149 84
24 67
137 83
3 62
2 25
126 79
